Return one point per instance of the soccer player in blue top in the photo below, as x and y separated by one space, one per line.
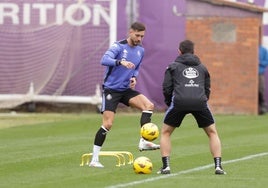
123 60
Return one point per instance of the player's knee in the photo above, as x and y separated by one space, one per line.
108 125
165 130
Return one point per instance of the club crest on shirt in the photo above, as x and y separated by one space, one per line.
190 73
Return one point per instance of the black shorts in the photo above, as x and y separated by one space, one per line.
111 98
174 117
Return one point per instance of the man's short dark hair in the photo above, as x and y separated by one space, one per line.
138 26
186 46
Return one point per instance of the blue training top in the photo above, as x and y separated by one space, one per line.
117 77
263 59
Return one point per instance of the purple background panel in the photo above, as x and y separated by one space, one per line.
164 31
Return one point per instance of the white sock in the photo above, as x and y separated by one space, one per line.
96 151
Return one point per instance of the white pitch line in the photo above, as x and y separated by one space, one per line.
186 171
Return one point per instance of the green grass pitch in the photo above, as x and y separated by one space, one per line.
44 151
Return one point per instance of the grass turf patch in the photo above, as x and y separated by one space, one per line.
44 150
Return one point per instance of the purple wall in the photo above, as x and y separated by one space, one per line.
60 58
161 44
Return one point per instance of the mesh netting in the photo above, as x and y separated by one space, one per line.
51 48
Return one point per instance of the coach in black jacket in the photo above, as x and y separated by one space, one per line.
186 88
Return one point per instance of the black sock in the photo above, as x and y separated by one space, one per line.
165 161
100 136
145 117
217 161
